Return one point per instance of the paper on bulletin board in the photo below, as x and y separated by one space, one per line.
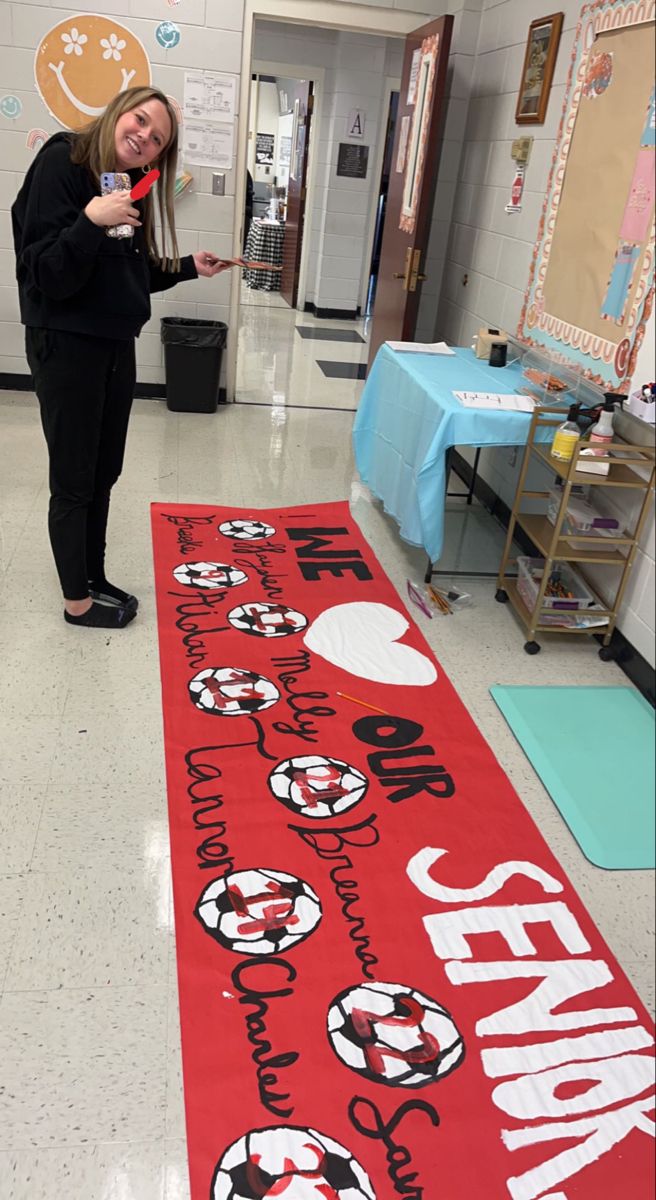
209 96
598 179
209 145
403 145
414 73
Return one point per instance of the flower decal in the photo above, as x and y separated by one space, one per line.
74 41
112 46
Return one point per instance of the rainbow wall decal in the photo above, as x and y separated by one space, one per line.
36 138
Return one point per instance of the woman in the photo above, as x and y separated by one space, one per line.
84 298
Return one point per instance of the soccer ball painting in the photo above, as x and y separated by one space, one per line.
246 530
266 620
293 1163
231 691
259 911
394 1035
209 575
319 787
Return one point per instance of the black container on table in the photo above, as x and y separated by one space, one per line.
193 350
498 354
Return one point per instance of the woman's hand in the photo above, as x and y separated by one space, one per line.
115 209
208 264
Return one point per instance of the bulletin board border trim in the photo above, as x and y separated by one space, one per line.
537 327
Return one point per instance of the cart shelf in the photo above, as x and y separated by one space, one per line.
540 530
635 470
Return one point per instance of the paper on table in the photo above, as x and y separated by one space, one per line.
420 347
491 400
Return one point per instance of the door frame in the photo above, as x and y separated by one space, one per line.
317 75
326 14
392 84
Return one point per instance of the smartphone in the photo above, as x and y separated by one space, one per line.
116 181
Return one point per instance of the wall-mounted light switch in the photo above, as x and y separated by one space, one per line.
218 183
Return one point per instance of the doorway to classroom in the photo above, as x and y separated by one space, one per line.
279 143
303 331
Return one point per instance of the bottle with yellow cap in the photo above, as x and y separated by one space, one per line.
567 435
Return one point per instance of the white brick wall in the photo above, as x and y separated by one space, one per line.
492 249
211 39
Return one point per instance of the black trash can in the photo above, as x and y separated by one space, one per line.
193 350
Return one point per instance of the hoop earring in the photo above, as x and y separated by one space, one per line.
145 170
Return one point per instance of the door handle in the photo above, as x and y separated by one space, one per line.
405 275
414 276
410 275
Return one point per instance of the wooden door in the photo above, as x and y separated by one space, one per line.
415 160
296 192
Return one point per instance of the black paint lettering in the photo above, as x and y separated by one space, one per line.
369 1121
267 1065
329 843
313 571
392 732
318 538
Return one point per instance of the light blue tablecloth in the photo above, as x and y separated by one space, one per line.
408 418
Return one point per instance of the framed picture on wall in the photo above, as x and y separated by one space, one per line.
538 69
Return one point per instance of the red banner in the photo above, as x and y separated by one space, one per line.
387 984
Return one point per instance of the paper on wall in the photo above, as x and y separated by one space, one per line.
209 145
209 96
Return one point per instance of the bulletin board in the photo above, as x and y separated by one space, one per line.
591 287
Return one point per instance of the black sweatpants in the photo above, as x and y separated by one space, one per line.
85 387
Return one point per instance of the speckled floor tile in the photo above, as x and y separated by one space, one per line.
47 634
72 837
177 1171
12 892
110 743
28 748
20 813
175 1110
12 525
93 929
82 1066
117 1171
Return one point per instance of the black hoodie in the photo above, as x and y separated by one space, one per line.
70 274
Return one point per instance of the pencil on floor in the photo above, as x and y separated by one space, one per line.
438 598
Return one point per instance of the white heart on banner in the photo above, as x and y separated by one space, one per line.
363 638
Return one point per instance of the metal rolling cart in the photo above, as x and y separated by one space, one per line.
631 466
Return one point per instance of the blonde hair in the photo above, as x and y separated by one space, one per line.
94 147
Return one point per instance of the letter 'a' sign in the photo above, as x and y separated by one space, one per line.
356 123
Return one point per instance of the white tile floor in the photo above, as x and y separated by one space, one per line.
277 366
90 1091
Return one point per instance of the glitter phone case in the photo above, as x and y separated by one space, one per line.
116 181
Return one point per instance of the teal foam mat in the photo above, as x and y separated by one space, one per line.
593 749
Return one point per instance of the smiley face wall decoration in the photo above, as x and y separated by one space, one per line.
83 62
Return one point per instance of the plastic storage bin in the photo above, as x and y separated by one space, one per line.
581 517
193 350
529 579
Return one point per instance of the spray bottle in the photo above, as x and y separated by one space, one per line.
567 435
601 434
